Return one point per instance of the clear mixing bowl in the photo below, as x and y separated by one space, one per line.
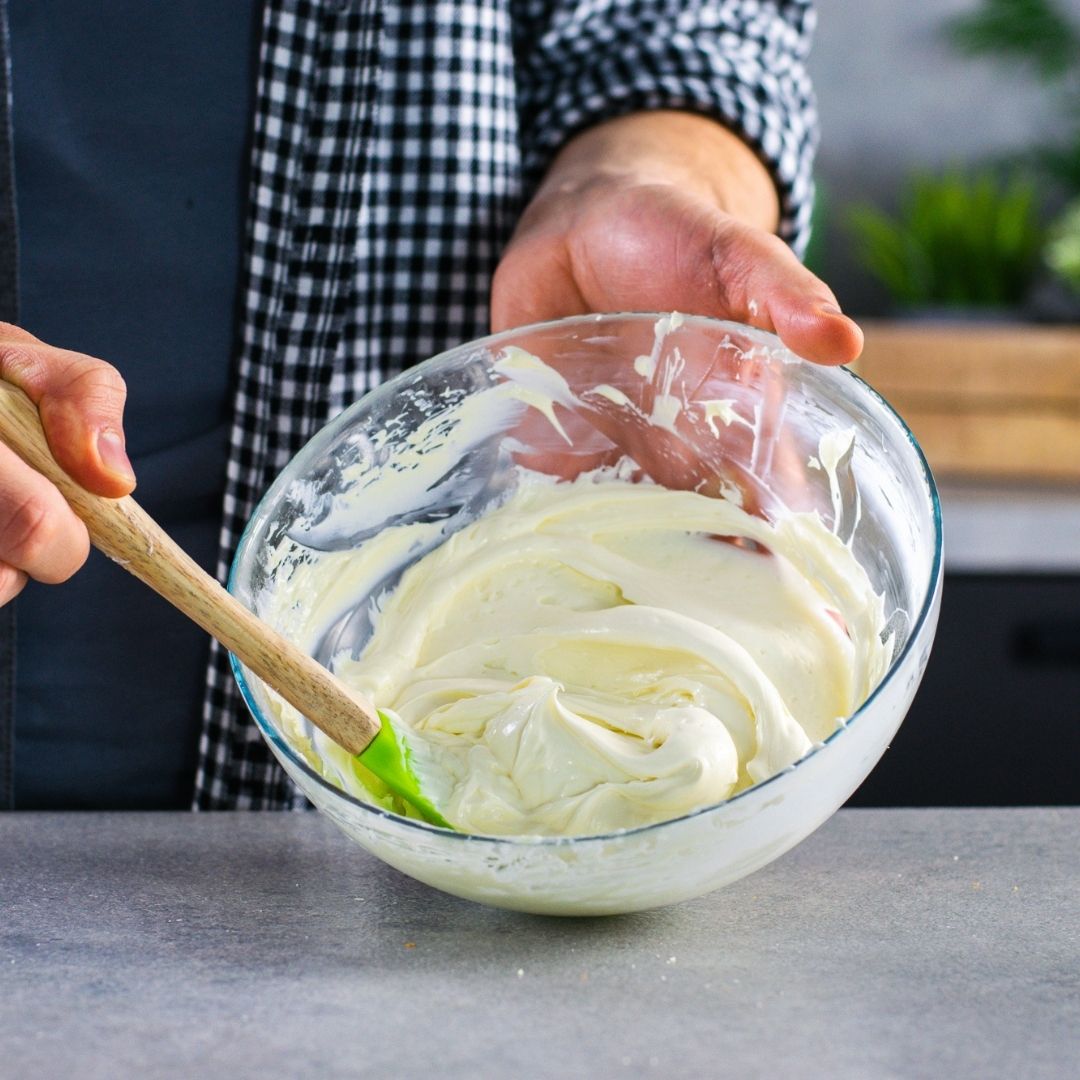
420 448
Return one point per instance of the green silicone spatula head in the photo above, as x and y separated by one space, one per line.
129 536
389 757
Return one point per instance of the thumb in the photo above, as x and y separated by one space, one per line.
81 403
762 283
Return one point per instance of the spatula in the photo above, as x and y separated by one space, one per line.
130 537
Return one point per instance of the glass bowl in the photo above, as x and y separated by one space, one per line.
443 441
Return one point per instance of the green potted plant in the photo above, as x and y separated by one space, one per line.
973 240
1040 36
1063 248
1037 35
962 241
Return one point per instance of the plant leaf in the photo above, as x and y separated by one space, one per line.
1035 33
958 239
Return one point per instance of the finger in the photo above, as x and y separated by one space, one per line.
761 282
81 402
534 282
39 533
823 334
12 582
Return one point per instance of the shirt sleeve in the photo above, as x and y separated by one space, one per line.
741 62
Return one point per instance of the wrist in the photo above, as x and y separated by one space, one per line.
691 152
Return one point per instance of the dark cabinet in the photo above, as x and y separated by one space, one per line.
997 719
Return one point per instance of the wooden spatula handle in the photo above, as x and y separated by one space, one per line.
129 536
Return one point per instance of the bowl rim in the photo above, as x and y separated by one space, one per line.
282 747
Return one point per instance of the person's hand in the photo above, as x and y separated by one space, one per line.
665 211
81 402
668 212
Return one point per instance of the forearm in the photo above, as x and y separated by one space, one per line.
739 63
682 149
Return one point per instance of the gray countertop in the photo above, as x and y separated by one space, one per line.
1011 528
892 943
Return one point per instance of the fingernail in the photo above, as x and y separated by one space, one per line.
830 309
110 447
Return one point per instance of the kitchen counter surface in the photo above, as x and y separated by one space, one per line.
1011 528
892 943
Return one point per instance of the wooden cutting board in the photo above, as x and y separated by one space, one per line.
985 400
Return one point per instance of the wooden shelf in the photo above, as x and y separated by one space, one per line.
985 400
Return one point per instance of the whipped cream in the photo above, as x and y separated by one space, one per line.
592 656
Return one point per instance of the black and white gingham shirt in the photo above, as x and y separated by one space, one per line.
395 142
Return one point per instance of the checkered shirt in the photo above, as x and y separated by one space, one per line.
394 145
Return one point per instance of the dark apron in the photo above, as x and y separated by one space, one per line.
9 299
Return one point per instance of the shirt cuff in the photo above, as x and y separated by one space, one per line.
762 96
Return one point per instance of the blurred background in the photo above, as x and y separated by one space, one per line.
948 221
